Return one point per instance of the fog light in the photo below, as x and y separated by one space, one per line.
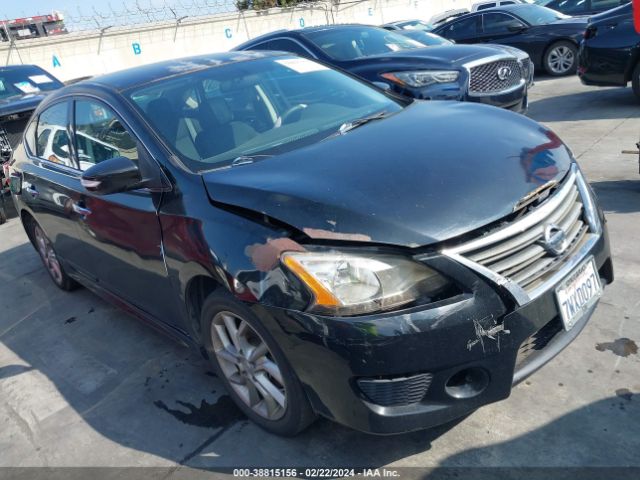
467 383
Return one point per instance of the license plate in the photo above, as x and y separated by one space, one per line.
578 292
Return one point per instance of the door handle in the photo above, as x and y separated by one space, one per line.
32 191
80 210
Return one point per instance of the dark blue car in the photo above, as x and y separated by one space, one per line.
491 74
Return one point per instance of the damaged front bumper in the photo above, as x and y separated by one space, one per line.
421 367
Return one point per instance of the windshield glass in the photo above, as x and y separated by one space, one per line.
426 38
537 15
354 42
416 25
219 116
20 81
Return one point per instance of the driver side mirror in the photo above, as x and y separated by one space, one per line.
517 28
113 175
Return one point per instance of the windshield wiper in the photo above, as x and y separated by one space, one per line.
246 159
348 126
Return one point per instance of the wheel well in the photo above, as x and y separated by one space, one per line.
198 289
633 64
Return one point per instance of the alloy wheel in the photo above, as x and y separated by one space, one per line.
48 255
248 365
561 59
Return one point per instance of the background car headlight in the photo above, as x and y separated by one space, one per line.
422 78
348 284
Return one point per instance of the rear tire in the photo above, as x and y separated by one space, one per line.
561 59
252 366
635 81
50 259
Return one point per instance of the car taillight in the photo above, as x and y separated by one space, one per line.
590 32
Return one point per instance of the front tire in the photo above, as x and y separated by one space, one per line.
252 366
635 81
561 59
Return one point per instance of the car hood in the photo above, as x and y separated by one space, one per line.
432 172
440 56
20 104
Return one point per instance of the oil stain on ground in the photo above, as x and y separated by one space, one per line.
624 393
220 414
623 347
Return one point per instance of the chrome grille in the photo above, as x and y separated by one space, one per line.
516 252
5 146
484 78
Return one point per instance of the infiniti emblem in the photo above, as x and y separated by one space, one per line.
504 73
555 240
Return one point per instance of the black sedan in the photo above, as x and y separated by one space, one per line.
495 75
22 88
581 7
331 249
550 38
610 52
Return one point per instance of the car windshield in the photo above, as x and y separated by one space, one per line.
426 38
15 82
246 111
416 25
537 15
351 43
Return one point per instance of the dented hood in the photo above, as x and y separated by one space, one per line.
429 173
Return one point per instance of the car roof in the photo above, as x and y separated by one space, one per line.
131 77
5 68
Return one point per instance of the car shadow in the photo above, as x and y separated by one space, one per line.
590 104
575 445
618 196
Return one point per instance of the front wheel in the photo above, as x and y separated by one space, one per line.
252 366
635 81
561 59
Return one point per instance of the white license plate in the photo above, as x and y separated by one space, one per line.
577 292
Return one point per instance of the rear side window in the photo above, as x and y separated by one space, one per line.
605 4
499 23
52 137
30 136
569 6
100 135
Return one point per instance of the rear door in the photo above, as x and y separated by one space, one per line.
120 233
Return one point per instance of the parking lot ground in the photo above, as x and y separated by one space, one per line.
82 384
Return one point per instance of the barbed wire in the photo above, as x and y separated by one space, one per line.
135 12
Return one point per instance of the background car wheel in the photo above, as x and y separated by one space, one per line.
635 81
561 58
50 260
252 366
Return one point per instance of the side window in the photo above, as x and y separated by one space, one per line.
499 23
52 138
569 6
466 28
100 135
485 6
283 45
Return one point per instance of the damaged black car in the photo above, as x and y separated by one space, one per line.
332 249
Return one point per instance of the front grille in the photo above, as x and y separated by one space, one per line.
395 392
485 79
5 146
537 342
517 251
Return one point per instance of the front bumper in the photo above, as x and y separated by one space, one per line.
331 355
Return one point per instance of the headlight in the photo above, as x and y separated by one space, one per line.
422 78
348 284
